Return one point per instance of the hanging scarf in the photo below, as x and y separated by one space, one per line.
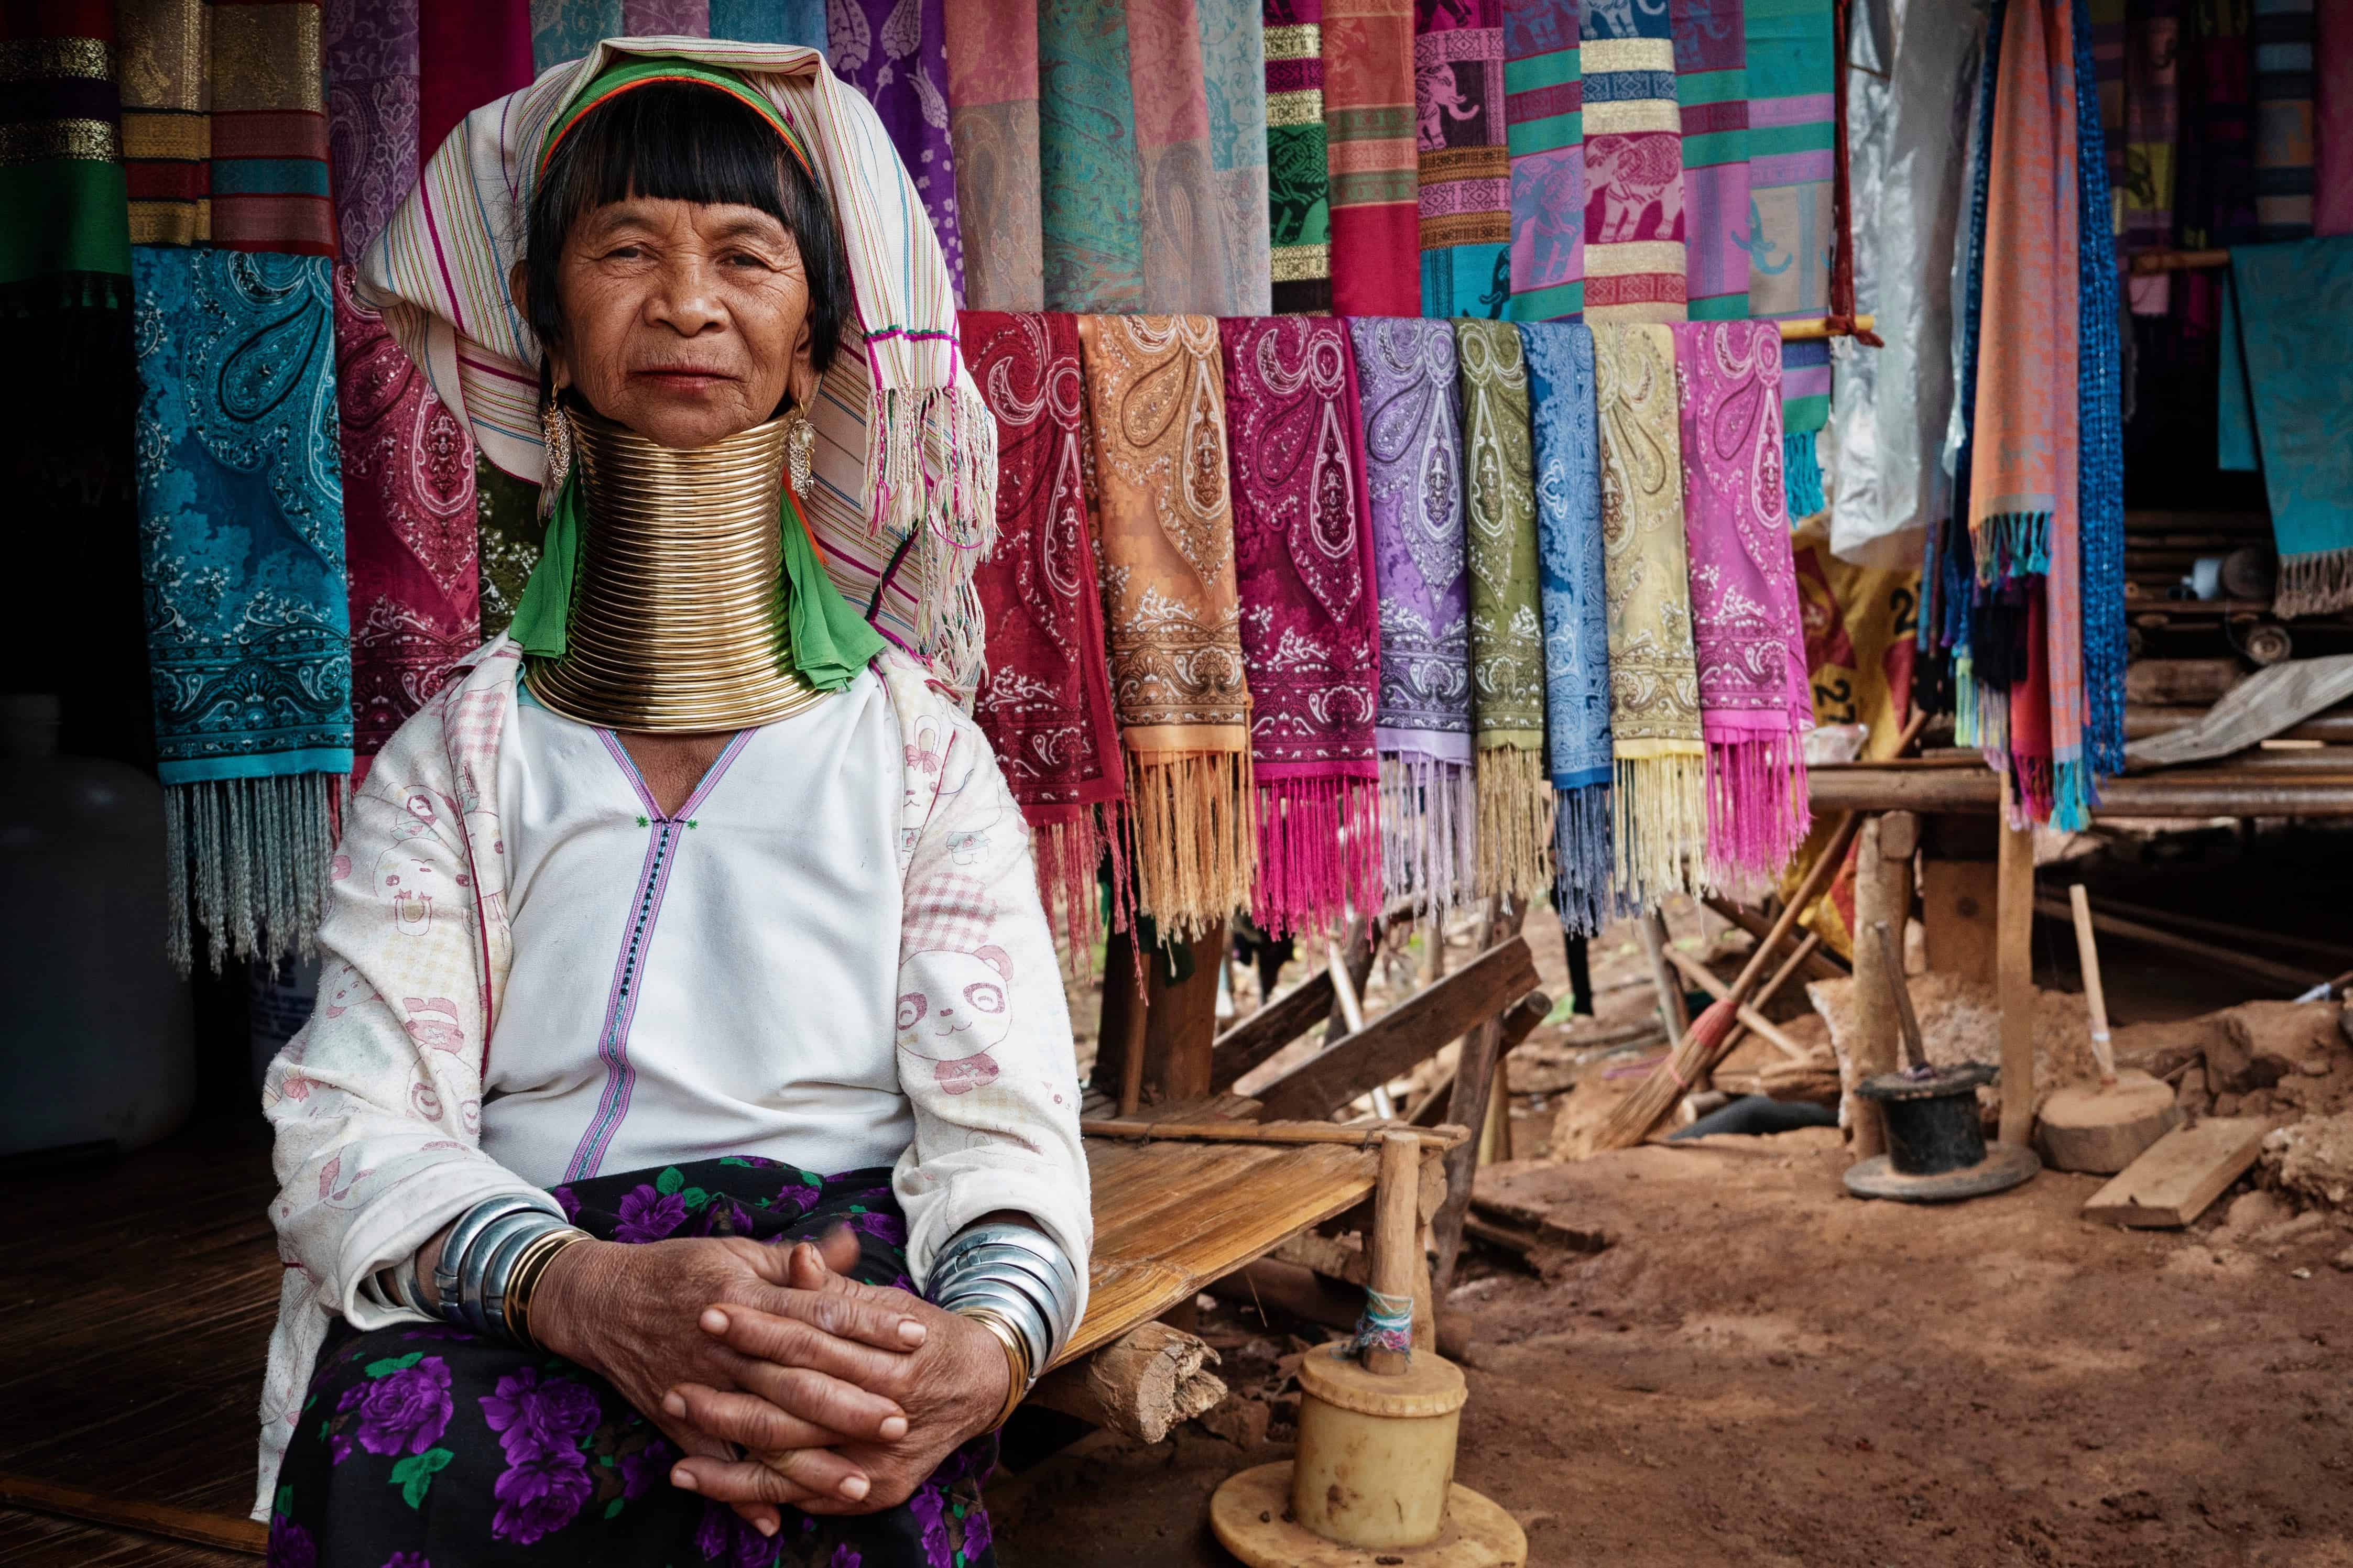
2283 118
564 30
905 460
769 21
241 528
1634 253
2214 194
2332 93
894 52
2099 607
1368 135
1413 466
1660 791
1045 703
1233 76
1712 96
1543 131
372 61
269 185
468 52
1297 176
1465 168
1755 707
2152 124
993 119
1507 657
1091 204
1165 522
1792 167
65 239
2283 386
408 526
1183 245
1575 617
166 133
1309 622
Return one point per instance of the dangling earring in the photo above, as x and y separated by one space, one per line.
800 441
556 429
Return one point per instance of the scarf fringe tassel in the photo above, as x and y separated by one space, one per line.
1319 853
1429 839
1662 812
252 857
933 473
1802 476
1515 824
2315 584
1069 852
1581 859
2013 545
1196 838
1756 812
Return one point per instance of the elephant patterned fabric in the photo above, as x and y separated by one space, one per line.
379 1102
420 1443
1542 111
1633 163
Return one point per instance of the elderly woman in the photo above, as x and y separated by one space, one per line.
683 1164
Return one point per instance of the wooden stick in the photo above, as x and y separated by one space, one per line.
1344 988
2149 261
2014 968
1652 929
1819 964
1396 1224
1131 1066
2087 957
1364 1134
1798 956
2286 976
2236 935
1819 327
1756 1023
1914 1050
222 1532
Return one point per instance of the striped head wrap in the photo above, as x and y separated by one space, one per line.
902 499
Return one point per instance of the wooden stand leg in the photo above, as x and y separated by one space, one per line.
1672 1010
1883 891
1396 1229
2016 963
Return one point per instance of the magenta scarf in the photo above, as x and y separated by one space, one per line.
1311 615
1754 705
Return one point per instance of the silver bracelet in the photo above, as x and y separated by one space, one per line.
473 1269
462 1237
1017 1272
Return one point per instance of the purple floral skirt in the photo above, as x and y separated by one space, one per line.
426 1446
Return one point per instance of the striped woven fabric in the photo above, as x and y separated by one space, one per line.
1368 150
1792 125
1544 130
1712 90
1298 181
2152 126
1634 165
905 464
1465 194
269 188
2283 152
167 138
62 238
993 116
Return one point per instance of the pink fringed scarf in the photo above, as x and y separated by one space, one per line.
1045 697
1310 622
1754 707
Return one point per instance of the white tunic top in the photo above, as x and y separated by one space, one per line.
719 980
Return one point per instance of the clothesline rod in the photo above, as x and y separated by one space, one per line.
1819 327
2179 260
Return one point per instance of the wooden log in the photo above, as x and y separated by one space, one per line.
1395 1231
2181 681
1269 1284
1366 1135
2014 965
1881 786
1127 1006
1267 1030
2183 1172
2143 721
2287 977
1405 1035
1817 965
2103 1127
1883 891
1145 1384
1357 947
1181 1029
1756 1023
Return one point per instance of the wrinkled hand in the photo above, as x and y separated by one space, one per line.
630 1314
950 1387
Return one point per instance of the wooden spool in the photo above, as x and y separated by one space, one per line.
2101 1127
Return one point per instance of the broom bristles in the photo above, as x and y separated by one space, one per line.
1639 1111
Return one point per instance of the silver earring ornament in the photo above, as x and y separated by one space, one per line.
800 442
555 430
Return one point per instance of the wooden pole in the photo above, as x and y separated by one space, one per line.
1915 1050
1756 1023
1466 1105
1882 893
1652 928
1395 1226
2014 968
2087 958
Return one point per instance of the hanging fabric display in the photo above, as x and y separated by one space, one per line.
470 51
408 526
1368 131
164 49
1298 176
1507 655
1754 703
2282 388
1575 604
372 54
1634 258
1310 618
1091 206
1792 61
2283 118
269 185
1712 96
567 29
1413 466
241 530
772 22
1045 701
1465 169
894 53
2099 605
1659 756
666 18
1164 516
1543 129
2152 122
1183 240
992 47
2332 96
1233 81
65 239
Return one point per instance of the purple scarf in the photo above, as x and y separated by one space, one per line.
895 52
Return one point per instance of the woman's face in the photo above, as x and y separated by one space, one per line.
686 324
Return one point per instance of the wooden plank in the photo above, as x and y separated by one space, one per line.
2171 1184
2014 964
1271 1029
1414 1030
220 1531
29 1540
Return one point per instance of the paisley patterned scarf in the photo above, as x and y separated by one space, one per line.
1091 203
1754 705
1543 118
1045 701
241 532
372 63
1185 251
1165 520
895 53
1310 624
1661 788
1413 466
1465 169
1575 617
1233 81
1507 660
408 526
993 119
1297 176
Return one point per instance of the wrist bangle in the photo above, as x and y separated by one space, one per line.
528 1270
1016 1360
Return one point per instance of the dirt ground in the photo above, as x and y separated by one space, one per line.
1759 1369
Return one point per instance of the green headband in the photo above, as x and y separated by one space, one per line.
636 73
